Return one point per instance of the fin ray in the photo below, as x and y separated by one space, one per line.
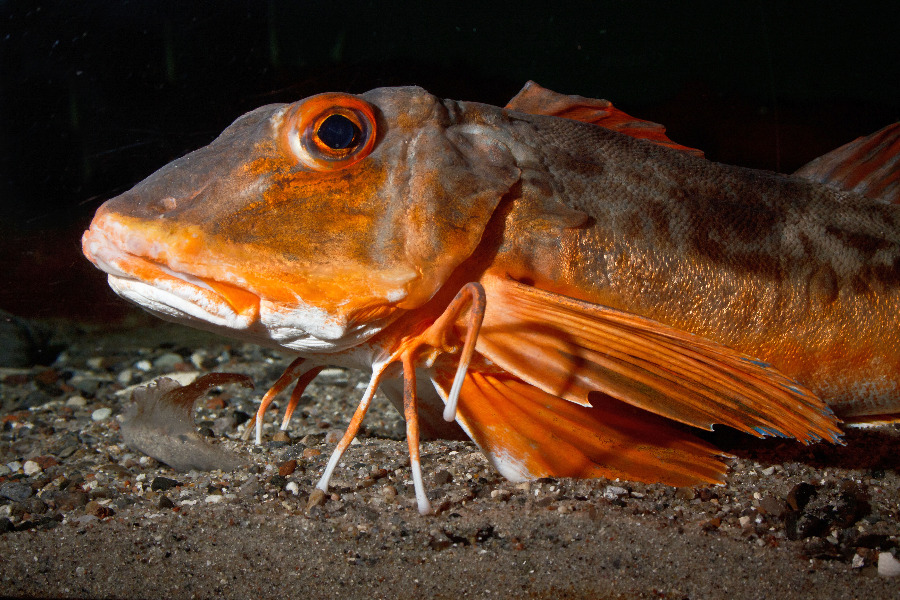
570 348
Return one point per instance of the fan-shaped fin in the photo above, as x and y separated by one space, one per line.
528 433
536 100
868 165
569 348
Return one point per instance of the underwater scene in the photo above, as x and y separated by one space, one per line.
576 300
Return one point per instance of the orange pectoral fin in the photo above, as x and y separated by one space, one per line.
569 348
528 433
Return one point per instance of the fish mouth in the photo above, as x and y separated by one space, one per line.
169 293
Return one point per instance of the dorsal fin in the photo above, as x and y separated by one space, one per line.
868 165
537 100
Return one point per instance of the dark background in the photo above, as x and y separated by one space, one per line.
94 96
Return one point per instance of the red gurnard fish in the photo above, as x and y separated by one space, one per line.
556 279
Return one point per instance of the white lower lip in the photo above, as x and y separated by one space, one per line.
185 302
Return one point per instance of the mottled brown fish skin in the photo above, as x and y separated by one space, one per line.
793 272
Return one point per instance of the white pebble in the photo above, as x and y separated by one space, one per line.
95 362
101 414
745 521
77 402
888 566
143 365
613 491
31 468
858 562
214 498
79 571
292 487
14 466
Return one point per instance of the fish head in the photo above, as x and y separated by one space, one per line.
311 225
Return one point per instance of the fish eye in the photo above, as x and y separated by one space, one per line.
338 132
330 131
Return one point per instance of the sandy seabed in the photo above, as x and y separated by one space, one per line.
84 516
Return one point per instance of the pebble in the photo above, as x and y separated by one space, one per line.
613 491
143 365
311 452
316 498
4 470
287 467
77 402
14 466
292 487
16 491
167 361
31 468
162 484
214 498
281 436
333 377
101 414
888 566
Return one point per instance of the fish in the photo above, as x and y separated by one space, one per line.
556 280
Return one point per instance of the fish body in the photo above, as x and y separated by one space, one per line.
565 281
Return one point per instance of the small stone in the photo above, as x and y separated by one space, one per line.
888 566
292 487
613 491
281 436
857 562
95 362
98 510
79 571
333 437
685 493
143 365
101 414
311 452
4 470
333 376
772 506
214 498
16 491
316 498
77 402
31 468
768 471
165 502
162 484
14 466
389 492
745 521
287 467
167 361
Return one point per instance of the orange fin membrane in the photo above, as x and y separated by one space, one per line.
294 371
536 100
527 433
868 165
569 348
423 348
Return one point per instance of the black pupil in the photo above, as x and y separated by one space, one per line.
338 132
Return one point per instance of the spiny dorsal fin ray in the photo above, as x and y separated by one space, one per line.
868 165
569 348
536 100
